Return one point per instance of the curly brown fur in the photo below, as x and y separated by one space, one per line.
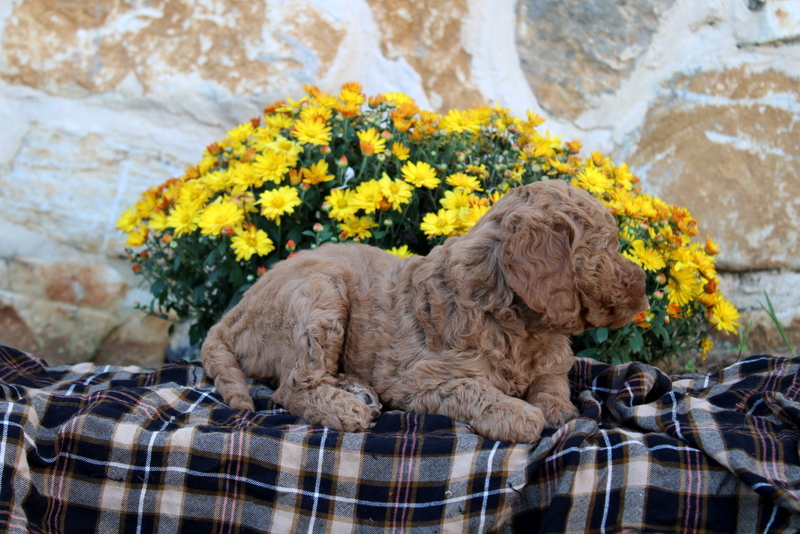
477 330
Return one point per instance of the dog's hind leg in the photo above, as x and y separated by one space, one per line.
313 388
221 364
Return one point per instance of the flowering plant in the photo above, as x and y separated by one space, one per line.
382 171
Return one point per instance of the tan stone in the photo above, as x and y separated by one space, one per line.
141 341
427 33
573 52
93 285
726 145
58 332
245 47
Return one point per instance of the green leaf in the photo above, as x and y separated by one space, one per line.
636 341
199 294
600 334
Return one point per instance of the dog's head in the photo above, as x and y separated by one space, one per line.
560 255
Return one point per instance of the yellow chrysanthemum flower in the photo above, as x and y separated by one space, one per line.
314 112
473 215
464 182
314 132
358 227
396 192
241 132
278 202
455 200
129 220
272 165
371 142
457 121
249 241
705 347
368 196
724 315
158 221
683 286
593 180
443 223
400 151
183 218
401 252
247 176
398 98
650 259
137 237
341 203
217 216
420 175
279 121
317 173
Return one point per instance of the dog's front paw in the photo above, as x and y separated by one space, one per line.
511 420
241 402
558 411
364 392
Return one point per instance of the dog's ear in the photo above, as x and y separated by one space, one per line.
538 266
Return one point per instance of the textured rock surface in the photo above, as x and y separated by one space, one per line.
100 100
572 52
726 145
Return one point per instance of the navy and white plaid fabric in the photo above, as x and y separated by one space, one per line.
124 449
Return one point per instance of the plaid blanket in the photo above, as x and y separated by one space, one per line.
124 449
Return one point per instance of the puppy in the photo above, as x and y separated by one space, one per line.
477 330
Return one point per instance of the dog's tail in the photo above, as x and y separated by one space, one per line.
221 364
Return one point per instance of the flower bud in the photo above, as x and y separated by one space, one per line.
313 246
343 234
250 277
659 294
326 207
388 222
291 246
325 149
228 231
144 255
341 162
173 244
136 268
318 227
261 270
381 157
661 278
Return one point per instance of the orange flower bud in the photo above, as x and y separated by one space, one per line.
377 100
166 239
711 287
228 231
214 149
261 270
136 268
256 122
318 227
144 255
325 149
291 245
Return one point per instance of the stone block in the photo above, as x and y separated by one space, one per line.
726 145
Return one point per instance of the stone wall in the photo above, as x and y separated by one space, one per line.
99 99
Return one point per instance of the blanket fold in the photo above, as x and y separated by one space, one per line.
87 448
